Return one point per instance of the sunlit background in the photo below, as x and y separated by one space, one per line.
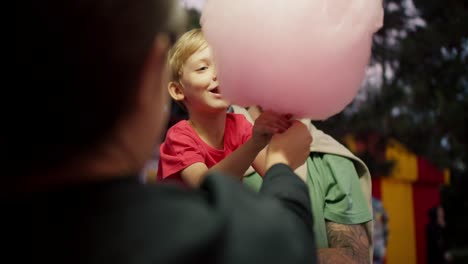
408 122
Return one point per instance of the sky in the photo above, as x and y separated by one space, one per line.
193 4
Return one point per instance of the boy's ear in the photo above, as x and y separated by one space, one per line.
176 92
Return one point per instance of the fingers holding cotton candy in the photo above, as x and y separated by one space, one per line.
302 57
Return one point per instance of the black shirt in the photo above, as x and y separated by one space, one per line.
123 221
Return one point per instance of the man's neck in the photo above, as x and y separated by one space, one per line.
210 127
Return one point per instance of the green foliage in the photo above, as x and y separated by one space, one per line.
425 103
193 19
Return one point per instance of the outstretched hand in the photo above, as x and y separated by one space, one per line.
291 147
268 124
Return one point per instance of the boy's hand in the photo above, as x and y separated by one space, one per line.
291 147
268 124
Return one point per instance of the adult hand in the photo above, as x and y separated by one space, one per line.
291 147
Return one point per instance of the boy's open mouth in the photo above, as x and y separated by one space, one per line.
214 90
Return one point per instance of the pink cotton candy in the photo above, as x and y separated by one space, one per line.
305 57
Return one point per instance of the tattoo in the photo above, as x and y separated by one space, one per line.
348 244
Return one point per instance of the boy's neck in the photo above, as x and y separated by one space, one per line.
210 127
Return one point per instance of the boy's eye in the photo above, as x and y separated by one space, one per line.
202 68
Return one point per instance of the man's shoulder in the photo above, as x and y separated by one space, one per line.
334 164
140 205
338 161
168 204
121 219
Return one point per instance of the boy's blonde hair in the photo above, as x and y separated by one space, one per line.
189 43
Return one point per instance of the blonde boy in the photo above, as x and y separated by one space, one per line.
211 139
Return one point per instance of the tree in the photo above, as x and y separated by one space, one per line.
422 99
420 96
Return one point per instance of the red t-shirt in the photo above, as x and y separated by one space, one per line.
184 147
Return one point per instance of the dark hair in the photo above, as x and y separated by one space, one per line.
76 69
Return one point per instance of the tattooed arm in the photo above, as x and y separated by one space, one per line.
348 244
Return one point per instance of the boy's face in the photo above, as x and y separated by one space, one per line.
200 84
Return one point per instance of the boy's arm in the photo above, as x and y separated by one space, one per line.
266 125
235 164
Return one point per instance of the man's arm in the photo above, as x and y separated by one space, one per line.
259 164
237 163
278 217
348 244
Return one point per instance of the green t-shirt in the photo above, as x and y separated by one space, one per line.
334 190
253 181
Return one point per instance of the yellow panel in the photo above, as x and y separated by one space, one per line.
150 175
397 198
350 143
406 162
447 176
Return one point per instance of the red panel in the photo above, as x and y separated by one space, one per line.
429 173
377 188
425 196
